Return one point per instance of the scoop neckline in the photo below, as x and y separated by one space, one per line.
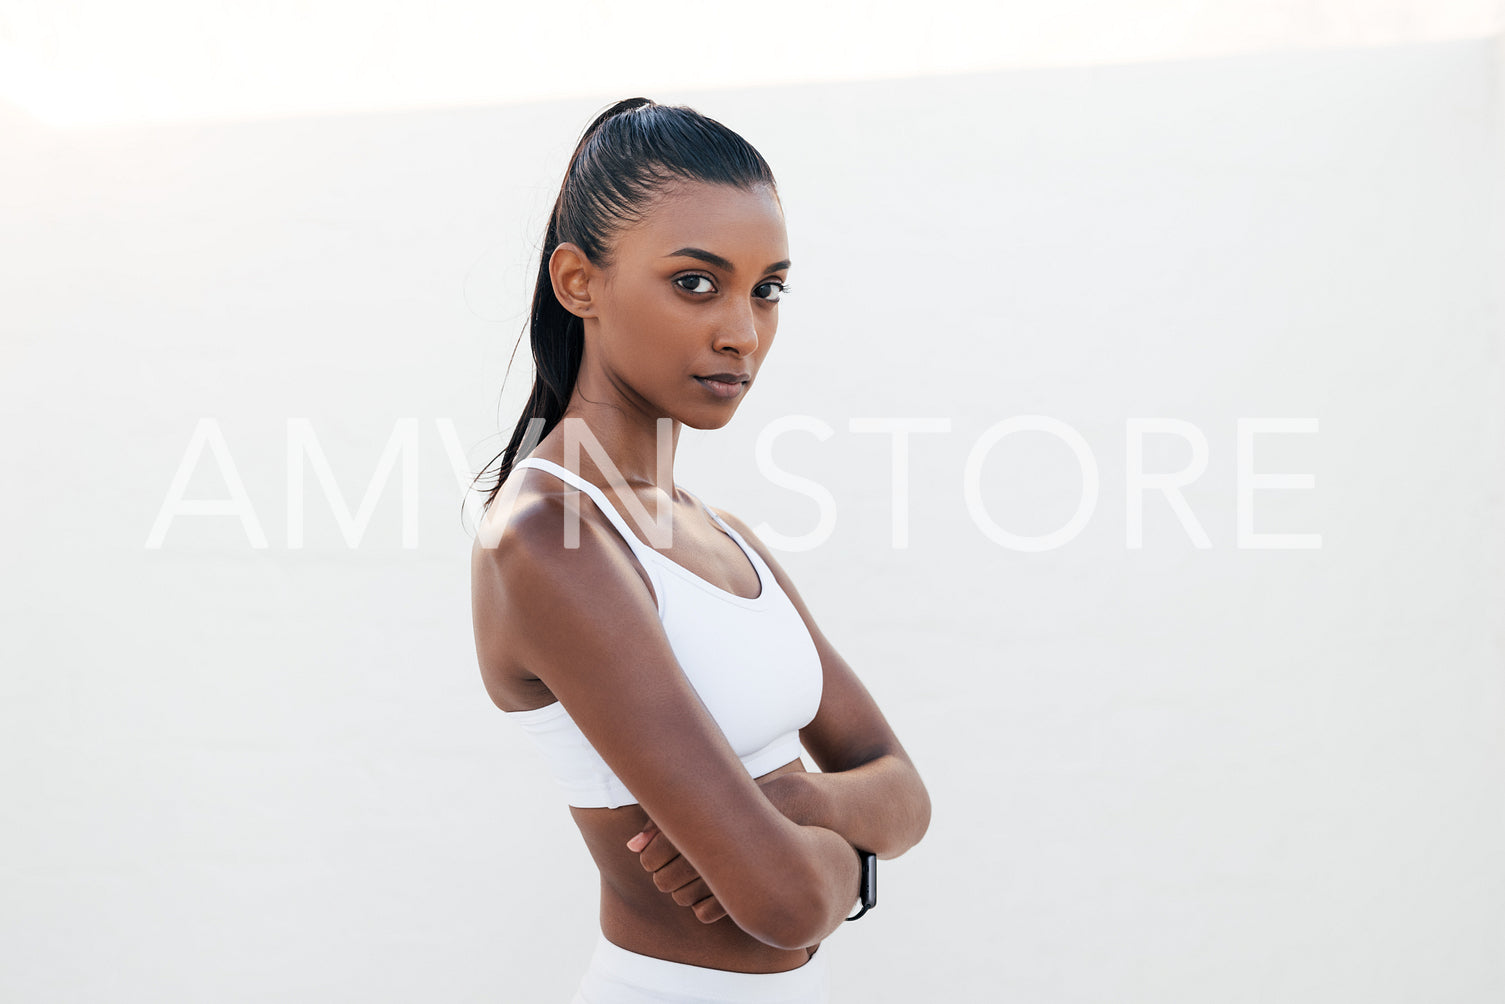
640 546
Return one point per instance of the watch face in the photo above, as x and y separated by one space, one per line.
867 894
869 880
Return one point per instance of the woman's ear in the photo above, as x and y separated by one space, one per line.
570 272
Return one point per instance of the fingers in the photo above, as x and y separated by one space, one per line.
687 888
655 852
677 874
692 892
708 911
640 841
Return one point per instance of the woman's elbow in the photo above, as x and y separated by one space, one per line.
789 925
914 820
801 920
922 812
794 909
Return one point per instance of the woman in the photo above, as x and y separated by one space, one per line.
670 682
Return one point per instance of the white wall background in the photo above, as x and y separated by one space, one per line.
1164 774
99 62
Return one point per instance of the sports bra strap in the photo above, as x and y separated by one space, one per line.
707 508
633 540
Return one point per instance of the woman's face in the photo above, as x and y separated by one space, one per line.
692 292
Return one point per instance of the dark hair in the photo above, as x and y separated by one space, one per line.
624 158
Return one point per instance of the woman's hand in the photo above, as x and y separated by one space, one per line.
673 874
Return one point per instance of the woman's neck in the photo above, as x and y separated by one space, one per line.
618 447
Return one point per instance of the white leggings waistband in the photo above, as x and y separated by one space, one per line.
617 976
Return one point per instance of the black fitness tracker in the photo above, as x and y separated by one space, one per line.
868 883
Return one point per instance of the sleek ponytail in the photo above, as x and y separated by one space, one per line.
624 158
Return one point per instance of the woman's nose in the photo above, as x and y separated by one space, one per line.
739 330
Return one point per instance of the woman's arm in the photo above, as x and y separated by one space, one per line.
869 790
581 621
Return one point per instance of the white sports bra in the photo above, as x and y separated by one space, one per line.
761 691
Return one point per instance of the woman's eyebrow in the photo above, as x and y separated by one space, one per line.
711 258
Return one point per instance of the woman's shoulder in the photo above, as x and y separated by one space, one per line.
522 534
530 586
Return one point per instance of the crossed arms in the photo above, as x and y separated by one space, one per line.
775 857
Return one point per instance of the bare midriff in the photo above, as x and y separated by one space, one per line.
637 916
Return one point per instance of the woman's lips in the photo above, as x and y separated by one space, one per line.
721 388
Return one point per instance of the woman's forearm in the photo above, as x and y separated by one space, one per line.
808 887
834 887
880 806
807 880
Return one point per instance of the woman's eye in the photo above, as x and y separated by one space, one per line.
777 290
692 278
